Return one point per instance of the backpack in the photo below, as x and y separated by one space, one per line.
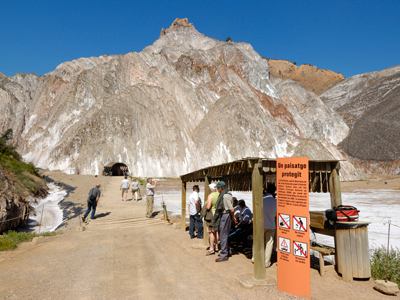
342 213
91 196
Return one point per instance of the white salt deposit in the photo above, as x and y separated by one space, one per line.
48 213
376 206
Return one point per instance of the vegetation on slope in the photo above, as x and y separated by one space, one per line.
23 178
11 239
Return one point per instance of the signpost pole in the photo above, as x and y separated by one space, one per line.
258 220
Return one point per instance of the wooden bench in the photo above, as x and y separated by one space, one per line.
323 251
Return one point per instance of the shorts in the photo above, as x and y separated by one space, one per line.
125 191
210 229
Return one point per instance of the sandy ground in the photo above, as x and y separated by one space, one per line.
376 181
123 255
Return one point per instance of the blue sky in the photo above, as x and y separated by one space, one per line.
350 37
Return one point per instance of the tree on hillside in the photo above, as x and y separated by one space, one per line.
228 39
6 147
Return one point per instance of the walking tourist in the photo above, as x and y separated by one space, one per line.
210 205
222 219
125 184
150 196
135 189
194 208
92 201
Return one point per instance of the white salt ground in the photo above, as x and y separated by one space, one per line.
48 213
376 206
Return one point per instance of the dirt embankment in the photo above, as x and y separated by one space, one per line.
309 77
15 194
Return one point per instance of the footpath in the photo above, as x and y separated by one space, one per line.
123 255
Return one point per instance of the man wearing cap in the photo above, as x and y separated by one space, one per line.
194 212
224 214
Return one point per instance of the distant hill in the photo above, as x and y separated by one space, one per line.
370 105
308 76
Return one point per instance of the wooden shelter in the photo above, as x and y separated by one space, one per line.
115 169
252 174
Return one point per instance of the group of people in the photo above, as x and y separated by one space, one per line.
227 218
134 186
126 185
95 193
244 217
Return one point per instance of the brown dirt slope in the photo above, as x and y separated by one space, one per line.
309 77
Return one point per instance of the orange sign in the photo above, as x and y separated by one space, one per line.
293 226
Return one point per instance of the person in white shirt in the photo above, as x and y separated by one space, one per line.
194 208
125 184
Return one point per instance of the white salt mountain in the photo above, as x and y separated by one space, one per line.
185 102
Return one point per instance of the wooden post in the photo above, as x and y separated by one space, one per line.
334 187
183 212
258 220
206 235
341 259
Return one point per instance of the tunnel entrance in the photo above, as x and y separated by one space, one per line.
115 169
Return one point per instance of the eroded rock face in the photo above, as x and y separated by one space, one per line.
14 209
309 77
184 103
370 105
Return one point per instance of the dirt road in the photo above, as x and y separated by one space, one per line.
123 255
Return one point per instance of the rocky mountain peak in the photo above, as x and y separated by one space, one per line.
177 23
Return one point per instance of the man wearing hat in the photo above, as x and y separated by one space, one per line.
224 214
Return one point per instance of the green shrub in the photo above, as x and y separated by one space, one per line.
11 239
378 264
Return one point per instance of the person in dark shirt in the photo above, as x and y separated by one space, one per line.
92 201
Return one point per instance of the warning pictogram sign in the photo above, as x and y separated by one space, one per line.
300 223
284 221
300 249
284 245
